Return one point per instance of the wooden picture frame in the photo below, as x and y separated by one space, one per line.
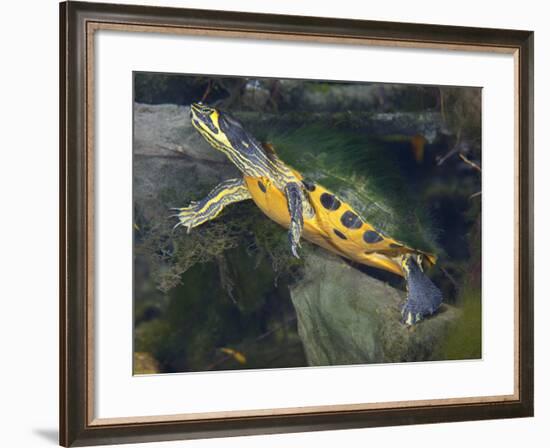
78 23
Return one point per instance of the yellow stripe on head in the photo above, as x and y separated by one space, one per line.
215 117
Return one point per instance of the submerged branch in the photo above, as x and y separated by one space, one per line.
474 165
475 195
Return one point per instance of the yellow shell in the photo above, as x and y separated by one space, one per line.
336 228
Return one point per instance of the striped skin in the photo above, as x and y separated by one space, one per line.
228 136
294 196
225 193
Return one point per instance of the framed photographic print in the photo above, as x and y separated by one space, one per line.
274 223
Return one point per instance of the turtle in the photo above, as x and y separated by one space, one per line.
307 209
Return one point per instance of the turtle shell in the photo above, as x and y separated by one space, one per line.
365 175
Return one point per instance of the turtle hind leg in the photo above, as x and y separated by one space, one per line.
295 198
225 193
423 298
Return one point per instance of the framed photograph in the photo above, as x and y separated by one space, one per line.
277 224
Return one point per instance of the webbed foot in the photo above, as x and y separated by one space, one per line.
189 216
197 213
424 298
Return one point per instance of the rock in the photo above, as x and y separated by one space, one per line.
165 129
347 317
172 162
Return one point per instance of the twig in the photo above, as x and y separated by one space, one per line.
475 195
474 165
280 327
454 150
225 279
449 276
207 91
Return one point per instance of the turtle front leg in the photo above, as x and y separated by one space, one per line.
423 298
225 193
295 198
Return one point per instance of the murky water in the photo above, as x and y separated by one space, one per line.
230 295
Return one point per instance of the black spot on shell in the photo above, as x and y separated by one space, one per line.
351 220
310 186
262 186
330 202
371 237
340 234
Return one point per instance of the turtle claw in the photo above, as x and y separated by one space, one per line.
294 250
420 304
187 217
294 234
409 315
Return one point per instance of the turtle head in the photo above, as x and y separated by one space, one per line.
222 131
205 119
